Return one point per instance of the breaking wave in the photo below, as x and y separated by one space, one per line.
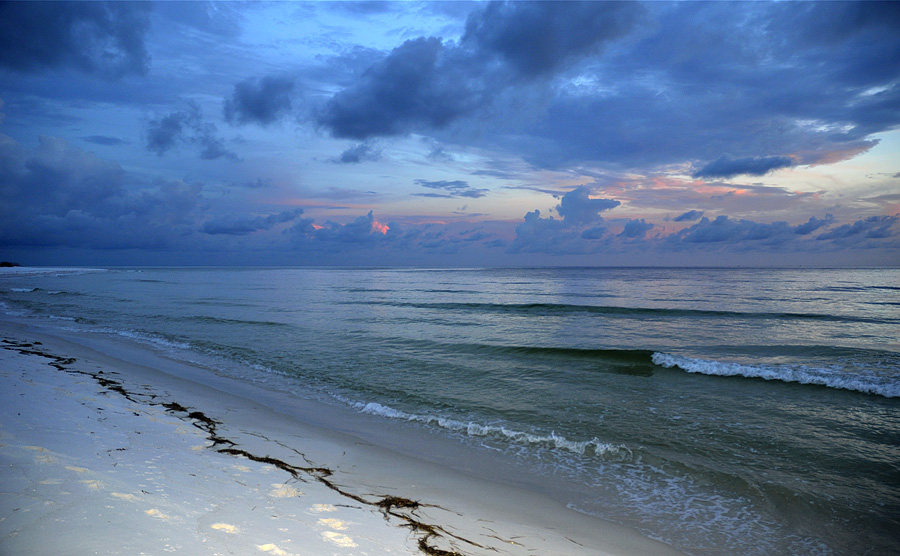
887 386
593 447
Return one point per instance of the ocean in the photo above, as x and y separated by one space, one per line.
722 411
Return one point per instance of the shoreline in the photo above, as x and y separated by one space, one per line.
217 446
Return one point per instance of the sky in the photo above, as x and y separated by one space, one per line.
450 133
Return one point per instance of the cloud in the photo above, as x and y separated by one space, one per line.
725 229
580 221
868 232
540 38
213 147
625 85
581 231
454 188
873 227
696 80
104 140
359 153
59 195
165 133
596 232
578 209
99 38
262 101
258 183
186 127
417 85
813 224
726 166
689 216
425 84
636 229
362 230
240 224
438 152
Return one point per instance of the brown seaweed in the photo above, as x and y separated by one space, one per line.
388 505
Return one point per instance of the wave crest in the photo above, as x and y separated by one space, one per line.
593 447
880 385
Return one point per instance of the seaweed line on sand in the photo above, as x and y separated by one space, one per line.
397 507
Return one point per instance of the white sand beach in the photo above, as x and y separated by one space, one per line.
108 447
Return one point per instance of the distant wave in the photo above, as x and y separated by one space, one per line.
619 355
144 338
551 309
31 290
887 386
35 271
220 320
5 308
593 447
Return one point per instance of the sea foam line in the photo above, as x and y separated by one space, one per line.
886 386
588 447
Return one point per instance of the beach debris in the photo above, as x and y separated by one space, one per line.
394 506
272 549
339 539
225 527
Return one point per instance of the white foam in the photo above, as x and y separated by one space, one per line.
6 309
887 386
146 338
553 440
35 270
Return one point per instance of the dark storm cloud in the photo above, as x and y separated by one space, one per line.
453 188
749 79
689 216
659 84
426 84
417 85
726 166
262 101
58 195
186 127
539 38
870 27
240 224
105 39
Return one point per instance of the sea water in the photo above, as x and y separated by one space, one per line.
722 411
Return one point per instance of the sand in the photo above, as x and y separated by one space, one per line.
109 447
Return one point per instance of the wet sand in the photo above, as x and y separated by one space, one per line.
109 447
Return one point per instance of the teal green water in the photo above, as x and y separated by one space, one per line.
736 411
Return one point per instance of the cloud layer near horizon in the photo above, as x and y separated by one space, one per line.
218 131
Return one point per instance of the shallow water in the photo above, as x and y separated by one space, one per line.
734 411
